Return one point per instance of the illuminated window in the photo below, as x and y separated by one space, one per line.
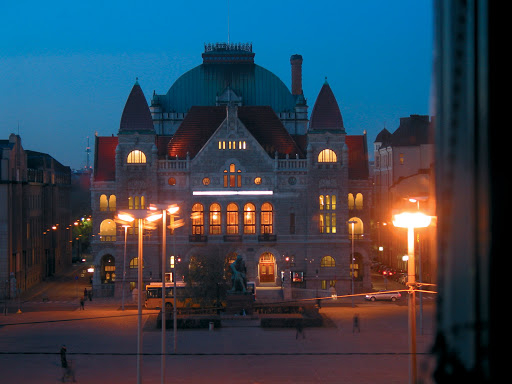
257 180
327 217
249 219
326 284
103 203
350 201
206 181
197 219
266 218
401 159
171 181
112 203
232 144
327 156
136 202
359 201
358 227
232 177
232 219
215 220
134 263
108 230
136 157
327 262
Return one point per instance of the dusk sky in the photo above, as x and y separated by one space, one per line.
67 68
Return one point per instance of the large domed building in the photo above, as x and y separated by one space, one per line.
252 173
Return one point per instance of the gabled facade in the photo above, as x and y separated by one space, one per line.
249 179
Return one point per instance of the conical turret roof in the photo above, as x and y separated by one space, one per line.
136 114
326 113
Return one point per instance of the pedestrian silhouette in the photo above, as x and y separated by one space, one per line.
63 359
356 324
82 303
90 294
69 373
300 330
85 293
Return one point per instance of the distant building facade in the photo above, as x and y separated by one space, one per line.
35 217
403 180
252 175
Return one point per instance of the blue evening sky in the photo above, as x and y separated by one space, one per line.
67 68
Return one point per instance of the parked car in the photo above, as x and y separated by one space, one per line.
383 295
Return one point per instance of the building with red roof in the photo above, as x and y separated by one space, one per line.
253 177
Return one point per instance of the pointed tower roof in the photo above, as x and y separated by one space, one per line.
136 114
326 114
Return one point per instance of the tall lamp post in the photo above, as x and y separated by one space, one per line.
171 209
141 216
352 222
411 221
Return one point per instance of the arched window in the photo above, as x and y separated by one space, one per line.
358 227
232 219
197 219
136 157
103 203
327 261
215 220
327 217
232 177
134 263
108 230
327 156
359 201
266 218
249 219
112 203
350 201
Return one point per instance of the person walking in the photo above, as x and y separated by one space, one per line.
63 358
85 293
82 303
300 330
355 326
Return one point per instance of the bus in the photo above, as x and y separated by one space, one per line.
153 299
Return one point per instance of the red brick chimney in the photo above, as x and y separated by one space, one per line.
296 62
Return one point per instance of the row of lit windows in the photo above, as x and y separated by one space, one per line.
248 221
138 157
107 203
232 144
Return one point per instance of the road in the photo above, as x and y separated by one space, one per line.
101 340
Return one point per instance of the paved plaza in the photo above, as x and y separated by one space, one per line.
101 342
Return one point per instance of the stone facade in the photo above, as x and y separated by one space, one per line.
283 198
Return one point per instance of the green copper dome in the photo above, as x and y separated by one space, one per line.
227 66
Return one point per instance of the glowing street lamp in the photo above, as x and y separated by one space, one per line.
171 209
411 220
141 216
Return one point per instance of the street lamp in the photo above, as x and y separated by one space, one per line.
141 217
172 209
411 220
352 222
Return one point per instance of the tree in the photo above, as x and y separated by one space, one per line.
206 279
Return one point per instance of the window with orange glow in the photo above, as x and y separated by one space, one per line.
232 219
197 219
327 217
136 157
267 218
215 219
327 156
249 218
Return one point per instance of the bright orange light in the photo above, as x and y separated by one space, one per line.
412 220
125 217
154 217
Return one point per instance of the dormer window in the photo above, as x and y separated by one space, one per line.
232 144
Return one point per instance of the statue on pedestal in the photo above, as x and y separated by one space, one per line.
238 279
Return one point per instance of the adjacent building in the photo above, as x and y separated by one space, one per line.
252 173
35 217
403 180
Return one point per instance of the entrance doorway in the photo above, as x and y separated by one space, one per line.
267 268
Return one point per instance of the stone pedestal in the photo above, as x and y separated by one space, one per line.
236 303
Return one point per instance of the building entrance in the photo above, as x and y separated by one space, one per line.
267 268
